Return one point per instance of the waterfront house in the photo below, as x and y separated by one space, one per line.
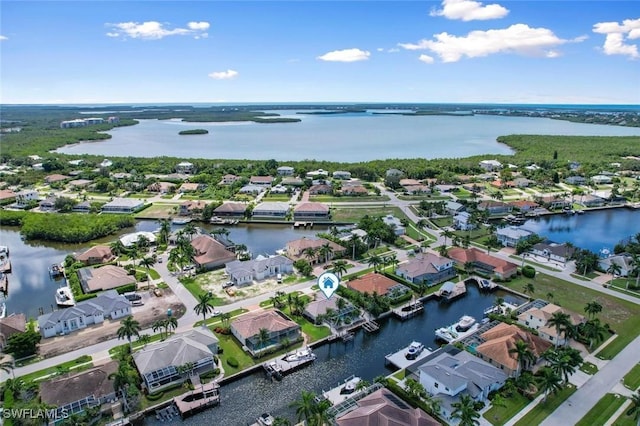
297 249
74 393
341 174
258 269
463 221
229 179
54 178
490 165
251 189
590 200
453 207
427 269
263 181
382 408
108 304
449 373
311 211
553 202
82 207
10 325
192 208
104 278
553 251
320 189
498 342
285 171
161 364
129 240
105 163
7 196
230 209
186 168
48 204
510 236
191 187
24 197
395 224
537 319
210 253
483 263
96 255
319 307
623 260
374 282
247 329
271 210
524 206
495 207
123 205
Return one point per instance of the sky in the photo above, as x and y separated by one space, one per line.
453 51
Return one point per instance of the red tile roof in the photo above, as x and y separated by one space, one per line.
463 256
372 283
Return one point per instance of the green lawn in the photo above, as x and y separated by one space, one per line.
400 374
588 368
78 364
231 348
196 289
152 273
216 321
354 214
513 405
345 199
632 378
602 411
544 409
624 420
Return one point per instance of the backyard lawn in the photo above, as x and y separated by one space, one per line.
512 405
603 410
544 409
354 214
231 348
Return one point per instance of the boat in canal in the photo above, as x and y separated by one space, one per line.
181 220
265 419
414 350
3 310
465 326
64 297
465 323
56 270
301 355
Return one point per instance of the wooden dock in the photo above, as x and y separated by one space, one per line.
450 291
203 396
371 326
303 224
409 310
4 283
5 266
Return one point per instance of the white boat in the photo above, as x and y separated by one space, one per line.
414 349
64 297
350 386
265 419
4 251
3 310
181 220
446 334
465 323
300 355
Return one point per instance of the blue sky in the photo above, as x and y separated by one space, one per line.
328 51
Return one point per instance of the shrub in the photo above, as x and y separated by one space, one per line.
233 362
126 288
529 271
155 396
82 359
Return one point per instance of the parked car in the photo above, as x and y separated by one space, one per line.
216 312
227 284
279 278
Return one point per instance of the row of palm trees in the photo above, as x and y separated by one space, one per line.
381 262
321 254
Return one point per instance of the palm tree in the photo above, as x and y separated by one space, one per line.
561 363
321 415
593 308
594 331
353 241
375 261
225 317
148 262
142 243
562 323
339 267
165 231
117 247
326 251
468 267
529 289
305 406
414 388
170 324
7 364
158 325
393 260
447 234
310 253
204 306
525 356
144 339
549 382
281 421
614 269
634 410
635 268
465 411
129 327
263 338
190 230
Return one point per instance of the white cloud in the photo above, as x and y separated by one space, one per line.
426 59
346 55
469 10
224 75
3 38
616 36
153 30
518 38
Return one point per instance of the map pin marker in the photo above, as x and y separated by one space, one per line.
328 283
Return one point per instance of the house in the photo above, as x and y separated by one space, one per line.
590 200
161 364
55 178
26 196
96 255
258 269
236 210
82 207
80 183
108 304
316 309
271 209
341 174
537 319
315 174
311 211
105 163
510 236
186 168
251 189
7 196
523 182
445 189
417 189
192 208
285 171
490 165
261 180
427 269
524 206
576 180
499 341
495 207
395 224
104 278
191 187
292 181
123 205
464 221
210 253
248 327
48 204
279 189
453 207
129 240
554 202
623 260
162 187
297 249
409 182
321 188
353 188
383 407
483 263
601 179
377 283
553 251
74 393
10 325
449 373
229 179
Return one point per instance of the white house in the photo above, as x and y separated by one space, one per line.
123 205
623 260
601 179
341 174
490 165
285 171
185 167
25 196
463 222
511 235
109 305
538 318
395 223
258 269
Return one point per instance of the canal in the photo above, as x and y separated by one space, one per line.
245 399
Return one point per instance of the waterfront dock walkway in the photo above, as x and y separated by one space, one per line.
290 362
399 360
408 310
201 397
342 391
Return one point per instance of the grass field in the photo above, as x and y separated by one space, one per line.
157 211
544 409
625 420
512 405
588 368
354 214
347 199
602 411
632 378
